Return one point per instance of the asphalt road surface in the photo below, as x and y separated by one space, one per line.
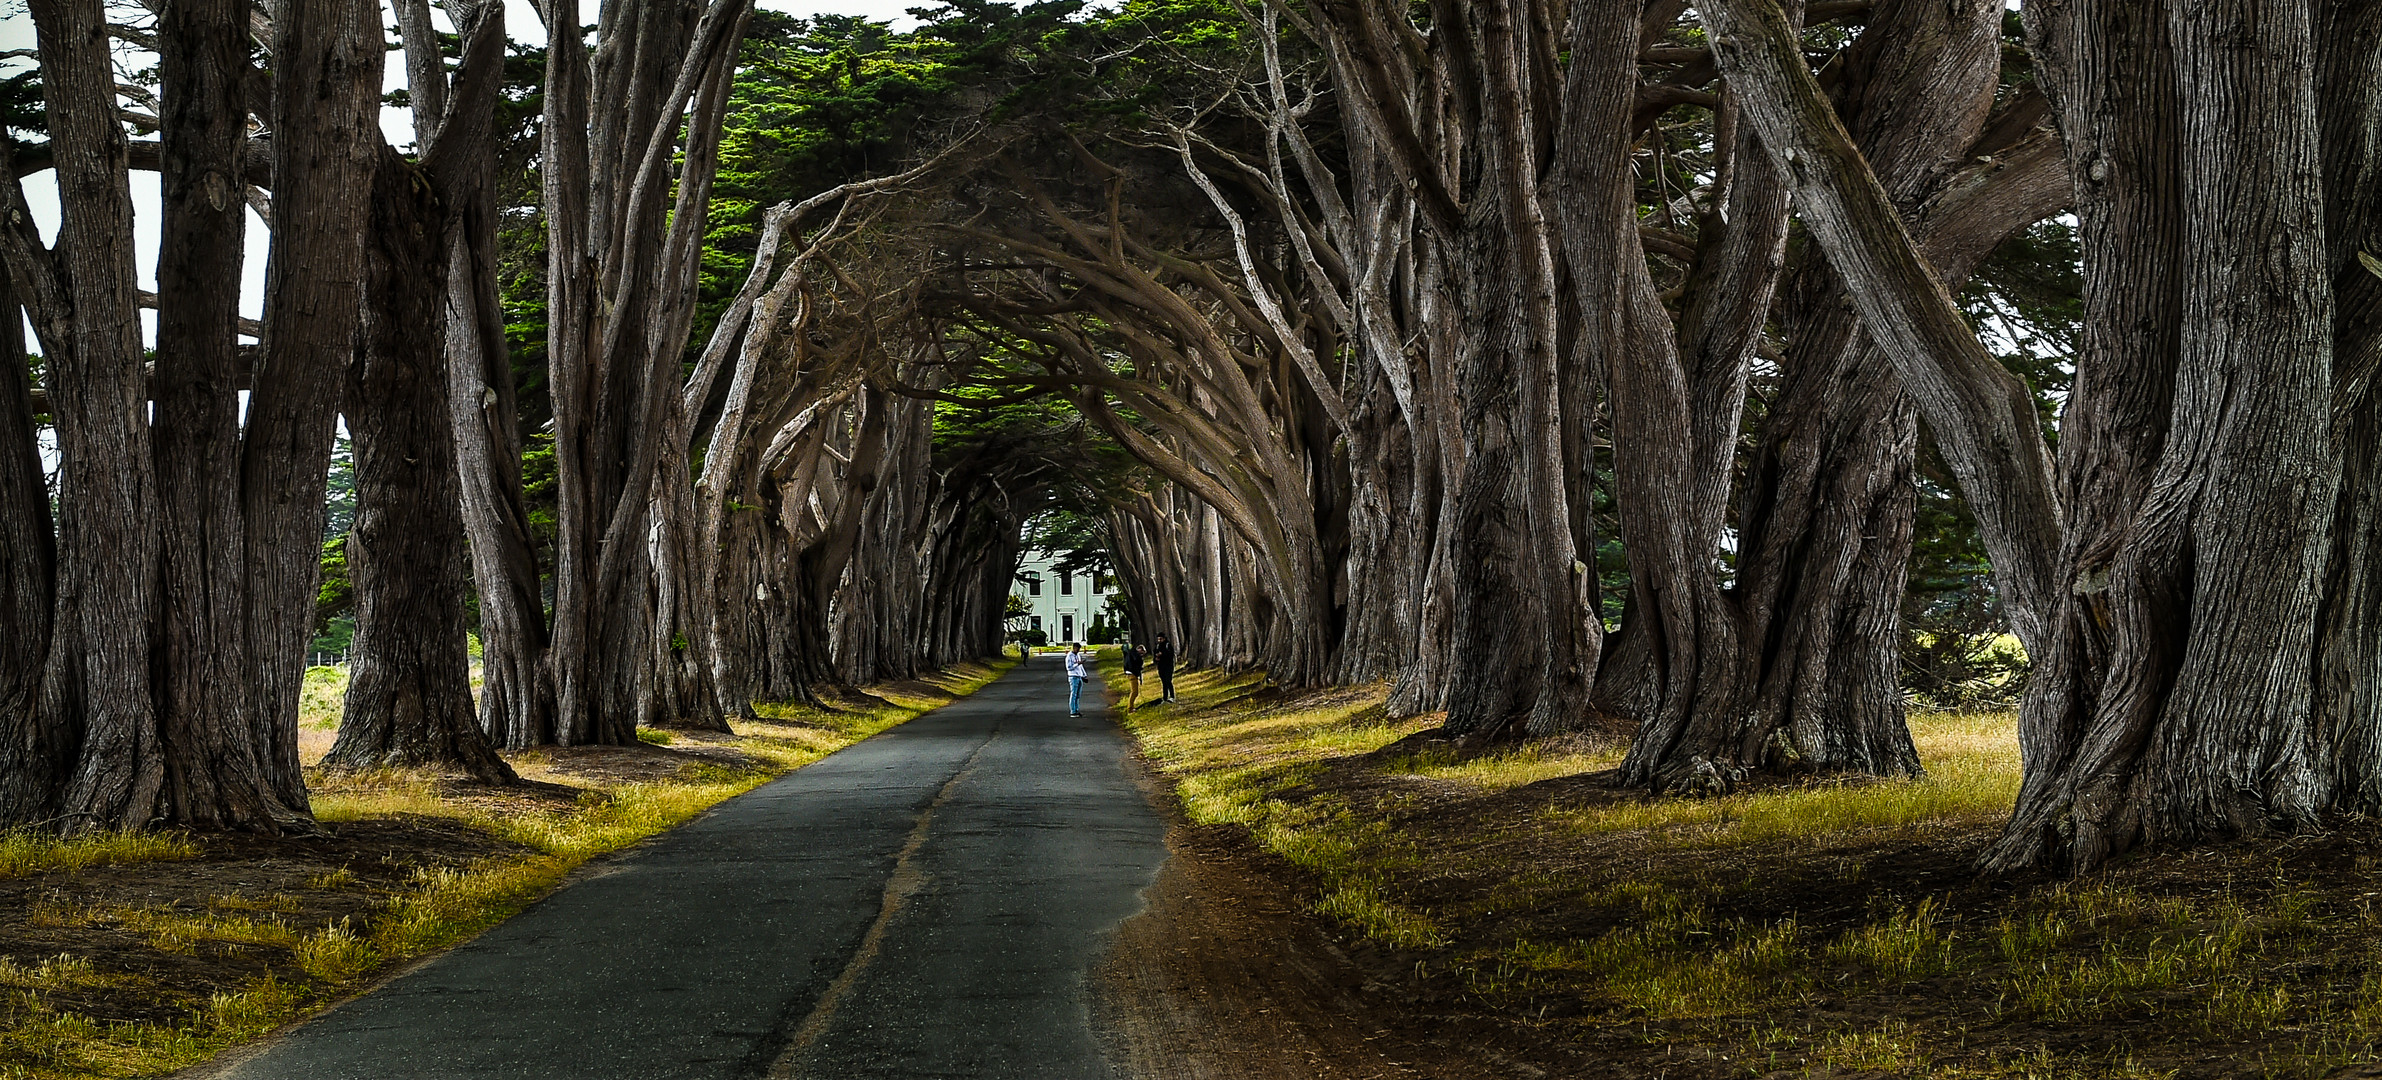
924 904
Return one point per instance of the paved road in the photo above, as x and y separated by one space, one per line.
923 904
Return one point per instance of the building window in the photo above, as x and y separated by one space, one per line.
1066 583
1037 624
1066 626
1034 587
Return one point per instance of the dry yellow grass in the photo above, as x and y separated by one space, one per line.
25 852
1527 764
1971 761
1610 898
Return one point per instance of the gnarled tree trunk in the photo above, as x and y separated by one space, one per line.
327 60
623 245
409 691
96 696
1827 525
1526 648
2349 641
204 705
30 760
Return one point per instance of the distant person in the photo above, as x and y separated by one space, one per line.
1163 652
1134 655
1079 668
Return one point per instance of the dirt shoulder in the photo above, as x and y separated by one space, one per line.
1227 975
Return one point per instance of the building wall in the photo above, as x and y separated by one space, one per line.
1065 615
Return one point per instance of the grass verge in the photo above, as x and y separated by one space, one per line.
138 955
1822 927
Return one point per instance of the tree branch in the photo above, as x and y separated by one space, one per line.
1983 417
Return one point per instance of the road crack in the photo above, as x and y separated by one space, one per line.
903 883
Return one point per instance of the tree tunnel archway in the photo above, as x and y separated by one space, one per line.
1468 346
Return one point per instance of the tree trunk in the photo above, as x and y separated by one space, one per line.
1525 650
97 693
1826 531
516 694
1982 416
214 776
1439 476
2202 725
1823 559
516 690
409 691
1376 581
1677 667
682 649
2349 689
622 246
31 761
327 60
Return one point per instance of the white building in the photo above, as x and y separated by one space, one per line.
1061 605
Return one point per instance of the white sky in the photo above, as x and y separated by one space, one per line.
521 23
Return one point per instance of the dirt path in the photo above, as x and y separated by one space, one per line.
1226 975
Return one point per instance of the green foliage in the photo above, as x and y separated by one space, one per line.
21 104
2027 301
1079 539
336 596
339 492
541 487
827 100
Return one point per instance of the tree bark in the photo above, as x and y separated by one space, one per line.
96 689
214 776
1526 650
622 249
29 757
409 691
1983 418
516 693
2110 71
1825 534
2202 726
326 139
1677 668
2349 658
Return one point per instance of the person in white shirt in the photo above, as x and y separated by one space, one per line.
1079 668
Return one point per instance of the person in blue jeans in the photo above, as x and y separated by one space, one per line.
1079 668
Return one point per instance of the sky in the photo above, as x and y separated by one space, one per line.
521 23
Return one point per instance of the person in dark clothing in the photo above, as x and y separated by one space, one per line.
1163 652
1134 655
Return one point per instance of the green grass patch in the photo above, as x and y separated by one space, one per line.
322 698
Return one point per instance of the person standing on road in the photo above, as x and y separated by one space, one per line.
1078 669
1134 654
1163 653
